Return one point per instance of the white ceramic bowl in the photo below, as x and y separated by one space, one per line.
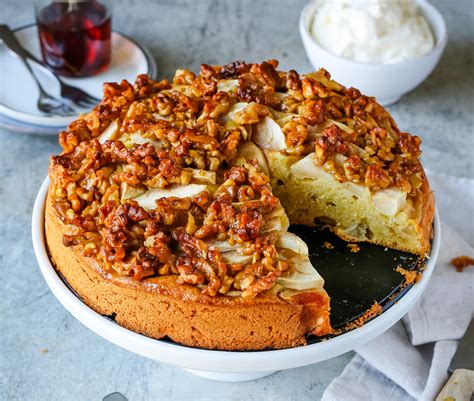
387 82
219 365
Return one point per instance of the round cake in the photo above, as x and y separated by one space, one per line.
169 206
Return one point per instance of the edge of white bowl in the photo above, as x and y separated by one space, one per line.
214 360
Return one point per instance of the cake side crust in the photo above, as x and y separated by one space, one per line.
427 216
149 308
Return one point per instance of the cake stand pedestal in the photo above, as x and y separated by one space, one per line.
230 377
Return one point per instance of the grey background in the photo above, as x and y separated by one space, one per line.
78 364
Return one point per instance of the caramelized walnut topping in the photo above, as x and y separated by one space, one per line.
462 262
293 80
234 69
260 84
409 144
313 110
296 132
208 72
237 174
313 89
376 178
217 105
184 77
152 137
267 72
248 224
331 142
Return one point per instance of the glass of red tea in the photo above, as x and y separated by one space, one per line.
75 36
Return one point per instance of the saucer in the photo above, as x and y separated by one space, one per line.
19 94
20 127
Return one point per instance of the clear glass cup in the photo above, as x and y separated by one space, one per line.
75 36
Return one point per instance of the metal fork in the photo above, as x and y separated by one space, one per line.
73 94
47 103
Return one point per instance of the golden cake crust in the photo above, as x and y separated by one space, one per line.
159 307
427 216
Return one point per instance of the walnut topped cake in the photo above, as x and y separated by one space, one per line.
170 204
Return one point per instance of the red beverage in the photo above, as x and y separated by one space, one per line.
75 37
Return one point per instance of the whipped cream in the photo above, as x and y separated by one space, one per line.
372 31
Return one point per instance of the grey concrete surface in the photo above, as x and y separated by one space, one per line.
45 354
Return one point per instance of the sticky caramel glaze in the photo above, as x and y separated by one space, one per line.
159 307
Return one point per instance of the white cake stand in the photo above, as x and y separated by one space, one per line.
220 365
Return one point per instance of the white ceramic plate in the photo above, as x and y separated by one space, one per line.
19 94
220 365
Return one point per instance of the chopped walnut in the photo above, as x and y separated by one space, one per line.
218 104
296 132
234 69
313 110
461 262
376 178
293 80
267 71
331 142
255 88
312 89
